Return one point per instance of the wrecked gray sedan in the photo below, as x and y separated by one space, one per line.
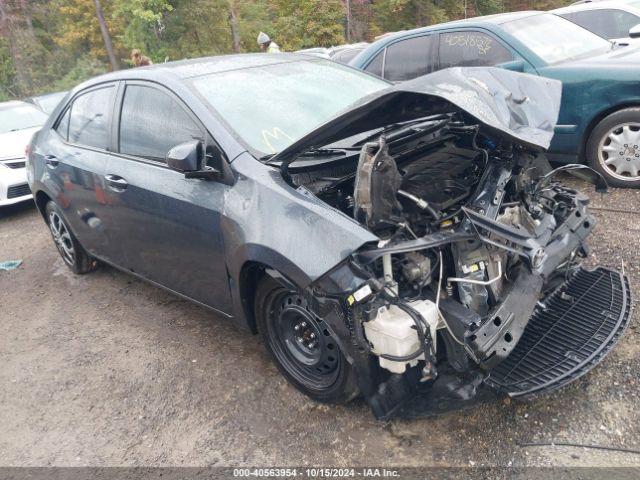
404 243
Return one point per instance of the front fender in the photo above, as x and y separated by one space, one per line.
266 221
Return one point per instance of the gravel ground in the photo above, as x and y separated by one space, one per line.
106 370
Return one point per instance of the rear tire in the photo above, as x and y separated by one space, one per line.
301 345
613 148
72 253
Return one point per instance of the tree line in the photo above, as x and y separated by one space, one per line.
51 45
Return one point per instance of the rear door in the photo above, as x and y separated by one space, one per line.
168 226
76 154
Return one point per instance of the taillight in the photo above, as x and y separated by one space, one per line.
27 151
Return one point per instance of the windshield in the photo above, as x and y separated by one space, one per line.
20 117
272 106
555 39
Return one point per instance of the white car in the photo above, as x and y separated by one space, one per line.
614 20
18 122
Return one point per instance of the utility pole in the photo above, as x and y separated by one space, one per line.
108 45
233 22
348 21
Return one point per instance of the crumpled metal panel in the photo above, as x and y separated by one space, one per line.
515 106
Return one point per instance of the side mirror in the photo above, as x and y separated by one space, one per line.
186 157
634 32
514 65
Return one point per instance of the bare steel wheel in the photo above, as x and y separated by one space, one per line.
301 344
613 148
76 258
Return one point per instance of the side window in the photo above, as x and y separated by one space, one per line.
89 120
152 123
471 49
375 67
608 23
408 59
63 125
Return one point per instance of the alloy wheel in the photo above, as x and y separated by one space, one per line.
62 238
619 152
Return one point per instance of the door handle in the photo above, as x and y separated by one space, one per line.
51 161
116 183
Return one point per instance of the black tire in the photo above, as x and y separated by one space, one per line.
623 155
314 363
72 253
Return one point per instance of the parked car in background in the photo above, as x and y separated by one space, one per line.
600 114
47 102
320 52
380 238
345 53
341 54
612 20
18 122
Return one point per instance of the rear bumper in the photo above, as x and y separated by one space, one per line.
567 335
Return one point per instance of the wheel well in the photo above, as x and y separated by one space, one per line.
597 119
250 275
41 202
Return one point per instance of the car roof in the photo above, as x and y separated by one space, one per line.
196 67
495 19
581 7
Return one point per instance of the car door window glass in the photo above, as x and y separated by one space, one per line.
470 49
63 125
89 120
408 59
375 67
152 123
608 23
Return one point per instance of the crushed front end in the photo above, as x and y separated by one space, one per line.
475 283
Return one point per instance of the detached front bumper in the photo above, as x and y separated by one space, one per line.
567 335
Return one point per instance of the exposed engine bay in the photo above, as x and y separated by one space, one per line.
476 234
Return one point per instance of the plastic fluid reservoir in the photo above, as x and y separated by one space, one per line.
393 332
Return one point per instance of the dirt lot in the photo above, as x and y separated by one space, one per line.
106 370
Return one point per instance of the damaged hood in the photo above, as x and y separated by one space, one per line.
519 107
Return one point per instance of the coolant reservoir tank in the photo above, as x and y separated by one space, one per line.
392 332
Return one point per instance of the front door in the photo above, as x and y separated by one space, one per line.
168 227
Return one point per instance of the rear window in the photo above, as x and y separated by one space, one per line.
89 120
408 59
375 66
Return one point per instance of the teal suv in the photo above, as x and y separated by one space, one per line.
599 121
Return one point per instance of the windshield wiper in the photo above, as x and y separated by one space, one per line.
410 126
323 152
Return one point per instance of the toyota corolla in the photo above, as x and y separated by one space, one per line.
392 242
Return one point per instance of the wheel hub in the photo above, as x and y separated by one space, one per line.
302 341
619 152
61 238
